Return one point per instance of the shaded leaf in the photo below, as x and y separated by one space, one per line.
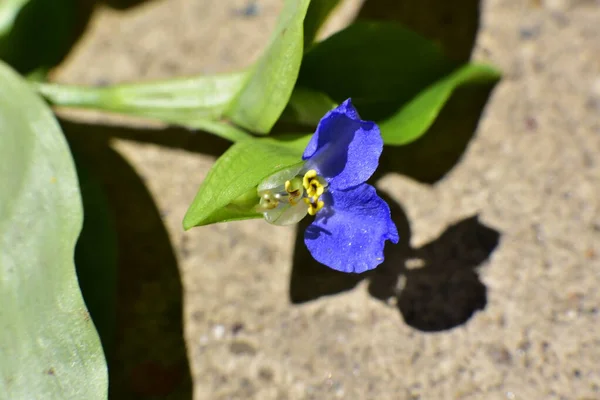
50 348
380 65
414 118
228 192
270 83
307 107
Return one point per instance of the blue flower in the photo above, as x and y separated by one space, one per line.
351 222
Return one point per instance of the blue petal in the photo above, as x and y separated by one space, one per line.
350 233
344 150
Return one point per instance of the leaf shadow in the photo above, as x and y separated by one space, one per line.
452 25
43 33
442 293
148 357
433 155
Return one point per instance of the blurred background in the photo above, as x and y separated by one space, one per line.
492 291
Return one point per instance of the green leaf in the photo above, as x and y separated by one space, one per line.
229 191
9 9
50 348
196 102
271 80
307 107
414 118
380 65
317 14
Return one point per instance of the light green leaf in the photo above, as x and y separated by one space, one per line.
196 102
380 65
228 192
271 80
317 14
414 118
50 349
9 9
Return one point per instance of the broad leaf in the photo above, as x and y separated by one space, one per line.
380 65
228 192
317 14
50 348
271 80
196 102
414 118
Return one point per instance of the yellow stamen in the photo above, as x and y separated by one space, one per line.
314 185
294 189
314 207
308 177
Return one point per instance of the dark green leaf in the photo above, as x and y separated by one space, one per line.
415 117
307 107
50 348
379 65
271 81
227 191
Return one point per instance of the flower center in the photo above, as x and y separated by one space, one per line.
315 187
308 188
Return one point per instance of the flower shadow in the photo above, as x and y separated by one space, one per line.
435 287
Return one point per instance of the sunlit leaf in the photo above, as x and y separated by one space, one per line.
271 80
229 190
50 348
414 118
196 102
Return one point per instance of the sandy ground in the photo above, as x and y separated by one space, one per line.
492 293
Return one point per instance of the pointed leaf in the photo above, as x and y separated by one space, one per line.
271 81
49 346
414 118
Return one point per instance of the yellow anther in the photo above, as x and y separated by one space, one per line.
308 177
314 207
294 190
314 185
